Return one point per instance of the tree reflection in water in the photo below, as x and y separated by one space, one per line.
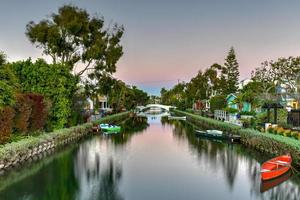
97 171
219 154
97 164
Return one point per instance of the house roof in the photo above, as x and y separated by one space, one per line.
231 94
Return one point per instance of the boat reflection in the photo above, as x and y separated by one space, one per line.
266 185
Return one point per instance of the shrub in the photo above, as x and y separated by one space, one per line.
39 111
295 134
270 129
231 110
23 109
6 123
218 102
280 131
287 133
248 113
54 81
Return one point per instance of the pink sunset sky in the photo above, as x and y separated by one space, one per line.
170 40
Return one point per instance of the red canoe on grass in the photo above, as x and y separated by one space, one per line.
276 167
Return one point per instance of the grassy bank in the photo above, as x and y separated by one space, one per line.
261 141
20 148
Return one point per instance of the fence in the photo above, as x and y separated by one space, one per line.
294 117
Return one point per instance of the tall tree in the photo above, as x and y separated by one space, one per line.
2 58
73 36
231 72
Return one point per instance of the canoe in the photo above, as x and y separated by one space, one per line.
269 184
276 167
107 128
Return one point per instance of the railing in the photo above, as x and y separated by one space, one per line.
221 115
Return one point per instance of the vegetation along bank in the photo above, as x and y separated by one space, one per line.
261 141
32 148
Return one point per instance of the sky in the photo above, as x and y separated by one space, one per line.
167 41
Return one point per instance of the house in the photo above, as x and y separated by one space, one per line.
102 103
286 99
230 99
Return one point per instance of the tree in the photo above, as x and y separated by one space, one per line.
266 76
2 58
218 102
72 35
8 83
231 73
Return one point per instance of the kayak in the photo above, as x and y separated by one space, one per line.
107 128
276 167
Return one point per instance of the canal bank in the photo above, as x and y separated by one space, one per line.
31 149
263 142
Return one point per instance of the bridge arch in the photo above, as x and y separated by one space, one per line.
165 107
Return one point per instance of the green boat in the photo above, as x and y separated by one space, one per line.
109 129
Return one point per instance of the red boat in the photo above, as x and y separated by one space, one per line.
276 167
268 184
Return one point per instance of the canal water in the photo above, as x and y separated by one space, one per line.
153 159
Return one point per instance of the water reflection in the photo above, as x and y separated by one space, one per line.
154 158
228 156
97 171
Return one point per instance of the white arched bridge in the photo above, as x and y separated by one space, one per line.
149 106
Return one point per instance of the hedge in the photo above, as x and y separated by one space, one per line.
20 147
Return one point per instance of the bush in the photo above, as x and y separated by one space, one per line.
280 131
231 110
248 113
270 129
23 109
54 81
295 134
287 133
218 102
39 112
6 123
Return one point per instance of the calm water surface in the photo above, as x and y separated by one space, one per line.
152 159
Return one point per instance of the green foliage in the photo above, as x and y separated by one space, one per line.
282 115
54 81
23 108
6 123
39 112
72 35
218 102
231 72
231 110
21 146
8 86
252 113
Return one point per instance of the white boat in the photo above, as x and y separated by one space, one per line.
214 132
177 117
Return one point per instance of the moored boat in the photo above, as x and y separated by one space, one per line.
216 134
276 167
107 128
269 184
177 117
